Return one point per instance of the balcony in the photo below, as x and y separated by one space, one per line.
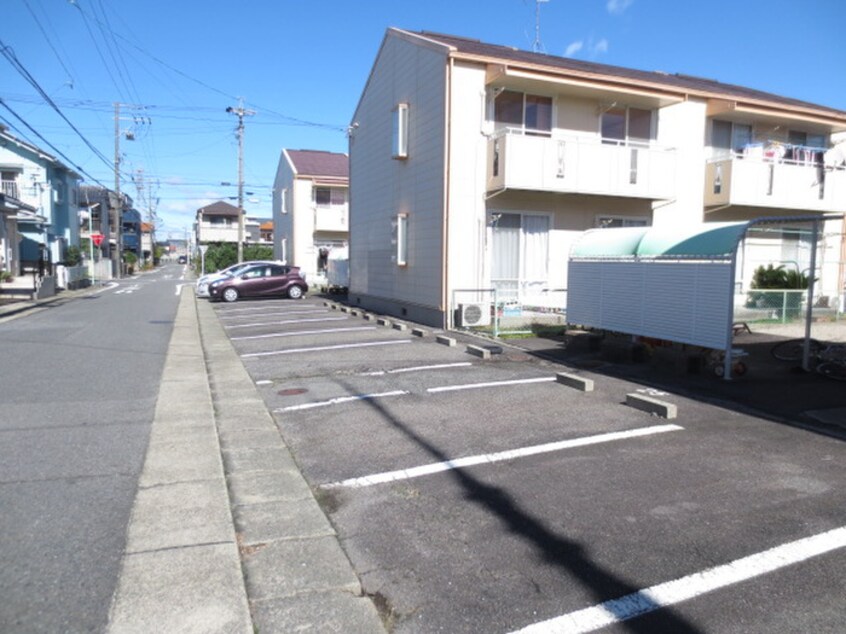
218 233
10 189
580 166
331 218
746 181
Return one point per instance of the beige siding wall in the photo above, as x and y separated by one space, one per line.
381 187
577 116
283 223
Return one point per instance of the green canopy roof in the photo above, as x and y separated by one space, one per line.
714 240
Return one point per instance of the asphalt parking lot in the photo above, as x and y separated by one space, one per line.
482 495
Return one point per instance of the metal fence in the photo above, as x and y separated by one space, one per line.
501 313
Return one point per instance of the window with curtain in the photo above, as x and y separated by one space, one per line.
520 251
530 113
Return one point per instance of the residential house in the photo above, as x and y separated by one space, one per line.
310 208
218 222
131 233
44 193
476 166
98 214
148 242
266 232
11 209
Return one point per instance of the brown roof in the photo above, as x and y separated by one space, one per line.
266 226
319 163
677 82
219 208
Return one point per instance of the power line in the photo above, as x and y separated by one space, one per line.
10 56
54 148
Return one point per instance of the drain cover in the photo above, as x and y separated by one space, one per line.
292 391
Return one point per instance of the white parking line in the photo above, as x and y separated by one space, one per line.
284 313
322 348
691 586
298 333
285 321
341 399
418 368
474 386
264 382
469 461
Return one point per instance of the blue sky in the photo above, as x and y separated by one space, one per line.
301 66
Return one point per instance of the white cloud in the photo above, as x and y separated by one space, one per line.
573 48
616 7
593 48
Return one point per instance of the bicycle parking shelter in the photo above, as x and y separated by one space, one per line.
675 284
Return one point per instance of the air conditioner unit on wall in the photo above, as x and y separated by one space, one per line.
474 315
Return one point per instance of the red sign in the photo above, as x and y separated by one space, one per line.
97 238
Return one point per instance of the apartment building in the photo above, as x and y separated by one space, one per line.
476 166
310 209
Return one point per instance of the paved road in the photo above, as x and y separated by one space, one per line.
79 386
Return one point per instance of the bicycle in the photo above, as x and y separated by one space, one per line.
830 358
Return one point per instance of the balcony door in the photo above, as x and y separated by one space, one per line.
519 254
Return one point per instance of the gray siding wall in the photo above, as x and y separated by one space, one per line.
381 186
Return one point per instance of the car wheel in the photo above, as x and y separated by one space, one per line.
230 295
295 292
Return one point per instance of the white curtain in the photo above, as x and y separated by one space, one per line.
535 248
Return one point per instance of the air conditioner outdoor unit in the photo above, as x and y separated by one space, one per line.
474 314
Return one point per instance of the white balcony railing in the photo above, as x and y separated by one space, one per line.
10 189
578 165
331 218
756 182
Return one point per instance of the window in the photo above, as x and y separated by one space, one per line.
402 239
727 136
400 132
530 113
626 124
519 252
611 222
338 196
322 195
806 139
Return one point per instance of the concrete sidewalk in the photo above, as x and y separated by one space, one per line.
225 533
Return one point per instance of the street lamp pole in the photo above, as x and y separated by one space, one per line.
240 112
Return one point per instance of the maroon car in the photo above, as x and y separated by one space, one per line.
260 280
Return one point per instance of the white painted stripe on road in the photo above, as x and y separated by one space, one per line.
341 399
107 287
473 386
691 586
418 368
284 313
322 348
286 321
264 382
469 461
299 333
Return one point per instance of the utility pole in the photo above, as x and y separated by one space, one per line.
240 112
118 250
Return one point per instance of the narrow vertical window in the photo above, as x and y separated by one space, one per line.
402 239
400 131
